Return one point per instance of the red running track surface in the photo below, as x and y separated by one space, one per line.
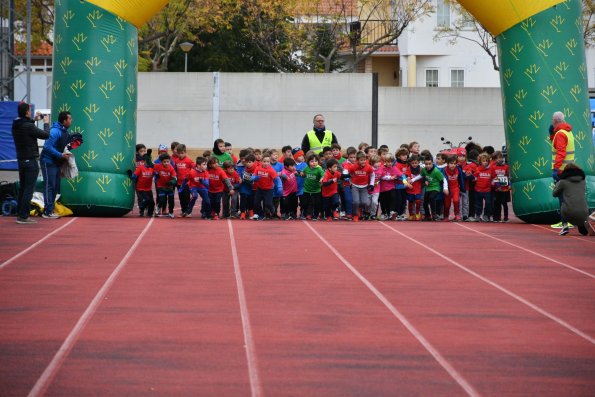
188 307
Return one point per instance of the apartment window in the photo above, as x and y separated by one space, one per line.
457 78
442 13
431 77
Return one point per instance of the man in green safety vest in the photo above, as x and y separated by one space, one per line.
318 137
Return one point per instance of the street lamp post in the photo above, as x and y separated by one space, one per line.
186 47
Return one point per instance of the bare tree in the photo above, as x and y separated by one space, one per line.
380 23
589 22
466 27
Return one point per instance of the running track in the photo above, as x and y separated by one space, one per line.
138 307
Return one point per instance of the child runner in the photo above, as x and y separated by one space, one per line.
456 183
484 178
143 176
229 208
501 188
165 181
434 185
362 179
265 184
183 166
330 194
290 188
414 189
402 165
313 175
197 181
217 180
246 171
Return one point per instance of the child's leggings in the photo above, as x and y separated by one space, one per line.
452 197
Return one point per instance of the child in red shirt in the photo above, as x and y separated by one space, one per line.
414 189
183 166
456 182
165 181
143 176
197 182
218 179
230 201
362 180
484 179
265 182
501 187
330 190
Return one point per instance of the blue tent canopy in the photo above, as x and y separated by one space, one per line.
8 156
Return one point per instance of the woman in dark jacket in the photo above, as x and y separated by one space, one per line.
571 187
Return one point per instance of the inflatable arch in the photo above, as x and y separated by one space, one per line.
542 70
95 78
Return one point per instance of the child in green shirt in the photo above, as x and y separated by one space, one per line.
435 182
312 175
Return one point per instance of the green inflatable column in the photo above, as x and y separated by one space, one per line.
543 70
95 79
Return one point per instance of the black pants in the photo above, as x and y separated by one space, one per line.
263 203
330 205
215 199
501 200
311 204
184 197
289 204
28 173
387 201
401 200
165 197
430 202
146 202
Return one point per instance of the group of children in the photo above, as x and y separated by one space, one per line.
364 183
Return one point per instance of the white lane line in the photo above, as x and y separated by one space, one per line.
23 252
422 340
255 386
588 239
529 251
541 311
52 369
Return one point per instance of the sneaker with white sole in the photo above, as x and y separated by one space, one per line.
560 225
564 231
50 216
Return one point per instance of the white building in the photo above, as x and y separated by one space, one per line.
427 62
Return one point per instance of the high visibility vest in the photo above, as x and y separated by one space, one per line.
569 149
315 145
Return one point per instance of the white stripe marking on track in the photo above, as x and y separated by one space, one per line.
529 251
54 366
541 311
421 339
255 386
23 252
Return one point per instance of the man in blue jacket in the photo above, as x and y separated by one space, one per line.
52 156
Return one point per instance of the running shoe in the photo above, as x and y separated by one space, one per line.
26 221
559 225
50 216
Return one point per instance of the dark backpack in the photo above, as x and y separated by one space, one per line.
8 190
8 198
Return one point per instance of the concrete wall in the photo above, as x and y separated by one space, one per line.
255 109
426 114
273 110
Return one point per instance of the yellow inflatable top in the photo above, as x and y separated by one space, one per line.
500 15
137 12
